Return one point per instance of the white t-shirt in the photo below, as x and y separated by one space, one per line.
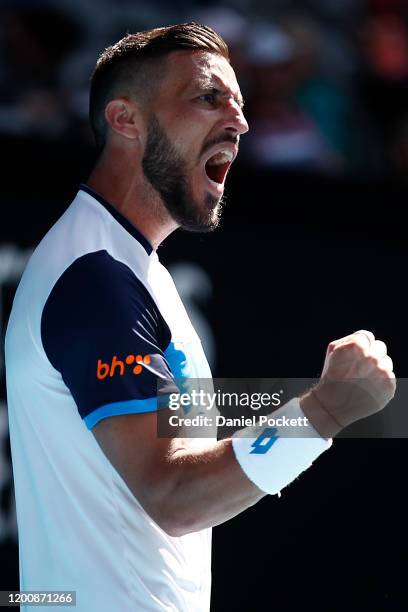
93 302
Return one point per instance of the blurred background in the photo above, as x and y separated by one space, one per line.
312 247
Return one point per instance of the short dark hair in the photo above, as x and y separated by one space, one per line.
122 68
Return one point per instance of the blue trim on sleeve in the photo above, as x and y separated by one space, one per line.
118 408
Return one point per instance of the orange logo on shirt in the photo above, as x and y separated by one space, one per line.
105 369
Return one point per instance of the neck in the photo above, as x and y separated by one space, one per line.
127 189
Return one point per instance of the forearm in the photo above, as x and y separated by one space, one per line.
185 489
213 485
209 487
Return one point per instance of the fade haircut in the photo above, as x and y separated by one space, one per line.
132 66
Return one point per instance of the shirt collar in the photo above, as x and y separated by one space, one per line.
129 227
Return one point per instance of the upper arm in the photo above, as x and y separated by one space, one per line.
103 332
143 459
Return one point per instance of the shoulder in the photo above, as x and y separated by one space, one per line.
98 279
98 300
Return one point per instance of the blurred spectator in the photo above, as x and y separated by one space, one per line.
383 81
36 41
319 98
396 6
233 27
284 134
385 46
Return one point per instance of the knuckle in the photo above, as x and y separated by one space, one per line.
341 348
386 364
366 332
358 347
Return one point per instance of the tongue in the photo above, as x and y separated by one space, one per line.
216 172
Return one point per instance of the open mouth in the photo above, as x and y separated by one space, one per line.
218 165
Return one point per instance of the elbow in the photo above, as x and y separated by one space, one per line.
173 530
175 524
165 501
174 515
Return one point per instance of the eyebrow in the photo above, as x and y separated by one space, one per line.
238 98
208 84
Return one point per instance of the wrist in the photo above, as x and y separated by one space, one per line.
271 457
323 422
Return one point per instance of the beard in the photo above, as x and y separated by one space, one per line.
167 171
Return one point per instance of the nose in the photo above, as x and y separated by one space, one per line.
235 121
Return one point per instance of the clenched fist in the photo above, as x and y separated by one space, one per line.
357 381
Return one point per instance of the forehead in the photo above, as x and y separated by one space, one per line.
187 70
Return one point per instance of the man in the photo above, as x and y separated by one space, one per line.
105 507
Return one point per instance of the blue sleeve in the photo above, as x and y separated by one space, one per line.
103 332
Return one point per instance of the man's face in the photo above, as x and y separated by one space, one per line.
193 136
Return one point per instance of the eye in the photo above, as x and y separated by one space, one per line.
210 98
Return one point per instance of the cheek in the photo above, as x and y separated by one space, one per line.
188 131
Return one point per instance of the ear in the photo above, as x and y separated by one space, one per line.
123 117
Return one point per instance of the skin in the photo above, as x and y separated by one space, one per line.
193 121
181 488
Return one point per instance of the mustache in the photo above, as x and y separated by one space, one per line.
221 139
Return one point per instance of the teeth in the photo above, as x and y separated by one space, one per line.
222 157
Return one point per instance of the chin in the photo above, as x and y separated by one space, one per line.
209 216
204 219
